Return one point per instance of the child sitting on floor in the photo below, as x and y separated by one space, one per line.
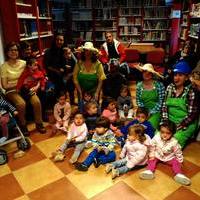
76 136
91 115
141 118
103 144
110 111
165 148
62 112
134 152
124 103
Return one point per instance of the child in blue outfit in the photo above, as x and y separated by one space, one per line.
103 142
141 118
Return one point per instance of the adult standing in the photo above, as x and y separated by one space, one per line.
112 48
88 72
11 70
150 94
180 104
53 60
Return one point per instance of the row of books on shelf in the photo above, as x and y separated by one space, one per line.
131 3
129 30
155 2
130 39
195 11
156 12
82 26
130 20
195 30
154 35
156 24
82 15
86 35
106 14
104 3
130 11
28 28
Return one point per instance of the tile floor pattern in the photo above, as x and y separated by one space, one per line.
36 177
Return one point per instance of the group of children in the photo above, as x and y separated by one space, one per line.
102 133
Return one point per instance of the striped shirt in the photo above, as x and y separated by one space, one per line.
5 107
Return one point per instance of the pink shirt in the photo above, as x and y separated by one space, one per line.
112 116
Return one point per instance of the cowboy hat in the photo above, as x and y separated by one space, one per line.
149 67
89 46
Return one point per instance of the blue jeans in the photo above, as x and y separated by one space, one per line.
100 156
120 165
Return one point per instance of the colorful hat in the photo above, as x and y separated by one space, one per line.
182 67
89 46
149 67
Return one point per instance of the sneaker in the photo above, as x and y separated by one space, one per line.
81 167
115 173
18 154
109 168
59 157
182 179
54 154
72 160
40 128
3 139
147 175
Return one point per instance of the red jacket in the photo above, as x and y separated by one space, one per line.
104 57
30 80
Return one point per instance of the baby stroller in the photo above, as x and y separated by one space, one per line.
22 142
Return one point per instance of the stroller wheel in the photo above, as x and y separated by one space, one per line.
3 157
23 144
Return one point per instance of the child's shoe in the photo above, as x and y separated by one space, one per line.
3 139
41 128
19 154
97 163
115 173
72 160
81 167
182 179
109 168
59 157
147 175
54 154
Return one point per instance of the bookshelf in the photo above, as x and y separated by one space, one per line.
27 20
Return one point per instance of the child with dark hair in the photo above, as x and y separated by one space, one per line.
124 103
141 118
165 148
110 110
87 97
91 114
134 152
5 109
103 142
31 80
62 112
76 136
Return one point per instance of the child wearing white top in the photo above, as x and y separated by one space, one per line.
165 148
134 152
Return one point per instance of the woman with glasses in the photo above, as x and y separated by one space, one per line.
10 71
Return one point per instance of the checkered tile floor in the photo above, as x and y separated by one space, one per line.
35 176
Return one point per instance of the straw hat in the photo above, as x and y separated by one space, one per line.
89 46
149 67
